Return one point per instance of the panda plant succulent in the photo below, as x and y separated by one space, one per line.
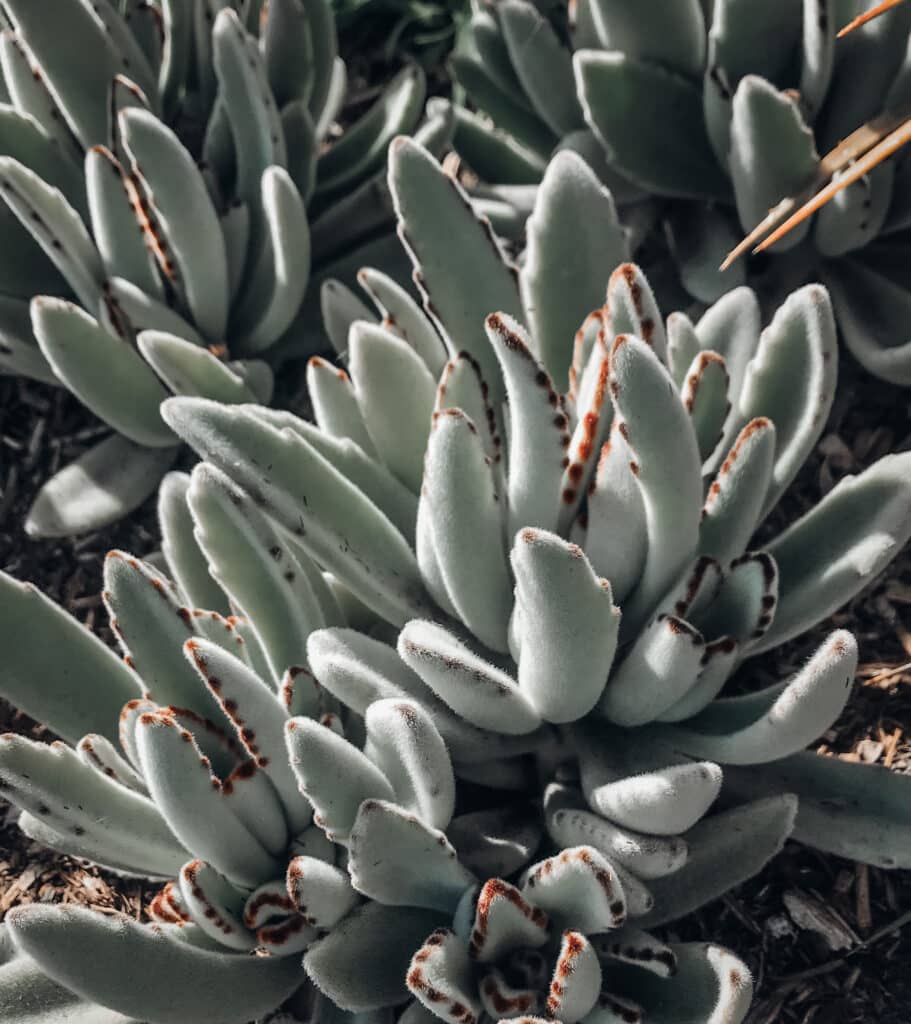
478 629
159 164
703 118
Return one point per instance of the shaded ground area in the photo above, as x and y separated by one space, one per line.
42 429
828 941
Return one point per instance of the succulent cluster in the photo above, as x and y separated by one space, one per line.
168 183
450 727
703 118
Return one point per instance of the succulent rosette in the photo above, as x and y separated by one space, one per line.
703 118
454 727
171 180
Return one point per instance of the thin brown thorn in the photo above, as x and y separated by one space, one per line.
900 137
773 217
862 139
874 12
851 148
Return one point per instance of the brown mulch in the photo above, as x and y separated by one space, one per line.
42 429
827 940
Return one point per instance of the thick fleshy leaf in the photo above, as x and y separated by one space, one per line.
576 981
718 663
873 315
57 671
152 626
76 947
406 746
856 811
362 148
189 369
358 669
710 986
342 529
663 445
538 428
476 690
772 153
507 109
402 315
799 344
533 46
25 140
724 850
252 112
395 393
631 308
641 111
462 514
577 886
319 891
287 45
390 495
119 826
668 32
335 406
657 671
734 501
20 355
258 719
565 626
646 856
490 152
743 604
215 905
705 396
186 563
277 283
340 307
196 805
623 779
855 216
574 243
31 97
105 372
839 546
745 38
615 536
461 386
55 226
461 269
185 215
781 720
504 920
731 328
122 248
145 312
395 858
440 976
334 776
594 417
255 567
362 963
56 44
28 996
487 39
271 912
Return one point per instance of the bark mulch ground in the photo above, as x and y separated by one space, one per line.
828 941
